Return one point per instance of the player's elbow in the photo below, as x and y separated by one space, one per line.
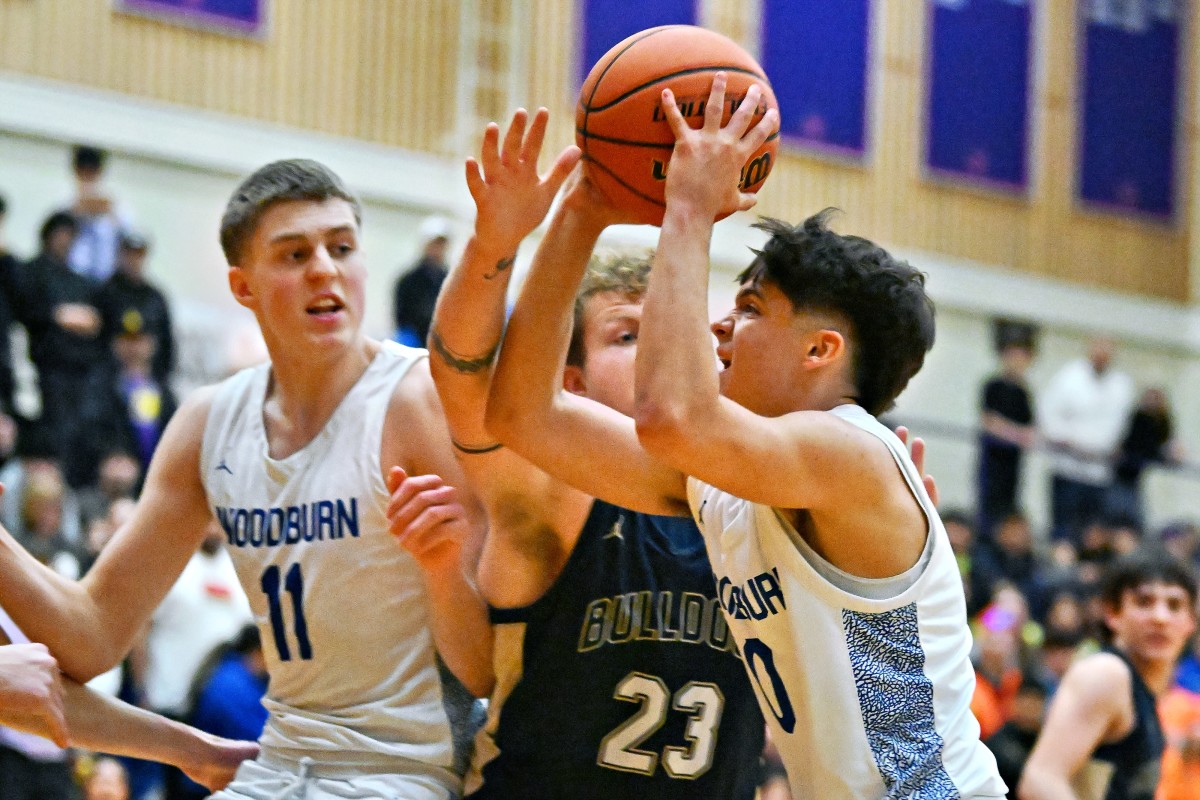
661 428
1032 780
86 660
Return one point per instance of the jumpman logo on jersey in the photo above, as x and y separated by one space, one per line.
615 533
700 512
224 466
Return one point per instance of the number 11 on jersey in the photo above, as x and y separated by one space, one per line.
293 584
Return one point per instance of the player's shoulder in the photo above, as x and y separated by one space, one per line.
1102 679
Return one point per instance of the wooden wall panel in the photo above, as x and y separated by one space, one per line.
381 70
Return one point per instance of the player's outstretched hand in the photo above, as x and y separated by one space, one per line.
706 165
426 517
511 199
918 457
31 695
215 767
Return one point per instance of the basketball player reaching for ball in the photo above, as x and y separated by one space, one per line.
831 564
368 645
616 676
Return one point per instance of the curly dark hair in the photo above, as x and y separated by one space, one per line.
883 299
293 179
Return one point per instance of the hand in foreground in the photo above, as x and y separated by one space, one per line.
31 696
706 165
918 457
425 516
217 766
510 198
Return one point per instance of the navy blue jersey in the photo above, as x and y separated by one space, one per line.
1135 759
622 681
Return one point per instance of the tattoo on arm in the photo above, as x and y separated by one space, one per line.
501 266
476 450
460 363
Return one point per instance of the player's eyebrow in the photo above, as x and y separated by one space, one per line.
291 236
749 291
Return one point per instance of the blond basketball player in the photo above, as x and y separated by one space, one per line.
373 650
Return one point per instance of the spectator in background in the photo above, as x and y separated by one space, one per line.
118 476
125 407
41 530
1082 414
106 781
101 220
1006 432
9 270
417 290
1147 441
997 660
1010 559
63 327
128 291
1180 713
1012 744
960 530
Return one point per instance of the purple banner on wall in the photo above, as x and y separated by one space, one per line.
1129 101
815 53
607 22
245 17
978 66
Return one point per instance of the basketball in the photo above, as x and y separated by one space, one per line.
620 126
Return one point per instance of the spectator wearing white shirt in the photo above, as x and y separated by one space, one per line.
1082 416
101 219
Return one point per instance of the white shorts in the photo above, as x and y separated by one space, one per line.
274 778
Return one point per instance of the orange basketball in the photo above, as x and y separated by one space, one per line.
619 123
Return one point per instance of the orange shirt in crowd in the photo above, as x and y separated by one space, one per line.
1179 711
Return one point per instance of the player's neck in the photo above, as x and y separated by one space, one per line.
1157 674
304 392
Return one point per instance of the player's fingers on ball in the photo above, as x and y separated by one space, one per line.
671 112
763 130
714 110
510 152
532 146
742 119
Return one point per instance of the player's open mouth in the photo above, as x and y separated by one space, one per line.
325 306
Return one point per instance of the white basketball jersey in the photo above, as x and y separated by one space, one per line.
866 698
342 609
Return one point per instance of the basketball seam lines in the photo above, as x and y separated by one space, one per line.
600 79
635 143
712 68
631 189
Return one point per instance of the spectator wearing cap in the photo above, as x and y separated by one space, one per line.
56 308
417 290
125 406
128 291
101 219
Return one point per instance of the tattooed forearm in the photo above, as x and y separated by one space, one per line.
476 450
501 266
463 363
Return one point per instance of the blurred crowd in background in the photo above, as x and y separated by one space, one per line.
74 445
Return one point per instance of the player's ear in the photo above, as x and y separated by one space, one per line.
240 287
824 346
574 380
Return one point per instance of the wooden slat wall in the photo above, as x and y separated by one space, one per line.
385 71
382 70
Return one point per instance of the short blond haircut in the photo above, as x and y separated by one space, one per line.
623 273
